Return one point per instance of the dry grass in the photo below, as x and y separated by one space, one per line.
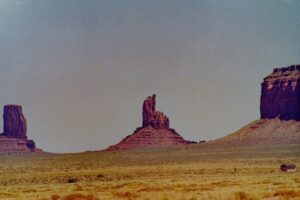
194 172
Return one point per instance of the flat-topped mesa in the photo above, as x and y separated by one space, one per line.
287 69
151 117
280 94
15 125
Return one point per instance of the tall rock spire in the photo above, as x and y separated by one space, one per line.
155 131
14 136
151 117
15 124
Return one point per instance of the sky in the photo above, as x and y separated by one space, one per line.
82 68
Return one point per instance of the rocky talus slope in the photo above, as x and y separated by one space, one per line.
262 132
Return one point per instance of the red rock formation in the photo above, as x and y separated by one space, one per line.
13 145
151 117
280 95
150 137
280 112
15 124
155 131
14 138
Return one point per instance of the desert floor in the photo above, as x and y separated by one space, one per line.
191 172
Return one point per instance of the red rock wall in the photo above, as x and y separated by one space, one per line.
280 94
13 145
14 138
15 124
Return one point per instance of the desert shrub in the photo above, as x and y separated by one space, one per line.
72 180
55 197
243 196
297 180
164 197
240 196
100 176
277 183
29 190
78 188
128 195
287 193
79 197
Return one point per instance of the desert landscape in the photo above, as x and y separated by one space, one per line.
190 172
150 100
155 162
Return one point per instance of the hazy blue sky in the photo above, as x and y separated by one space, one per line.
81 68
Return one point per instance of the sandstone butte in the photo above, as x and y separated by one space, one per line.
155 131
280 96
14 138
279 109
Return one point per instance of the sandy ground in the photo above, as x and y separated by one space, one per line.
193 172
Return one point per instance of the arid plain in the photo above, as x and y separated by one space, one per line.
150 100
200 171
155 162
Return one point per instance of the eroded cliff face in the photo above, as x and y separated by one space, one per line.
14 122
280 94
155 131
14 138
280 113
151 117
